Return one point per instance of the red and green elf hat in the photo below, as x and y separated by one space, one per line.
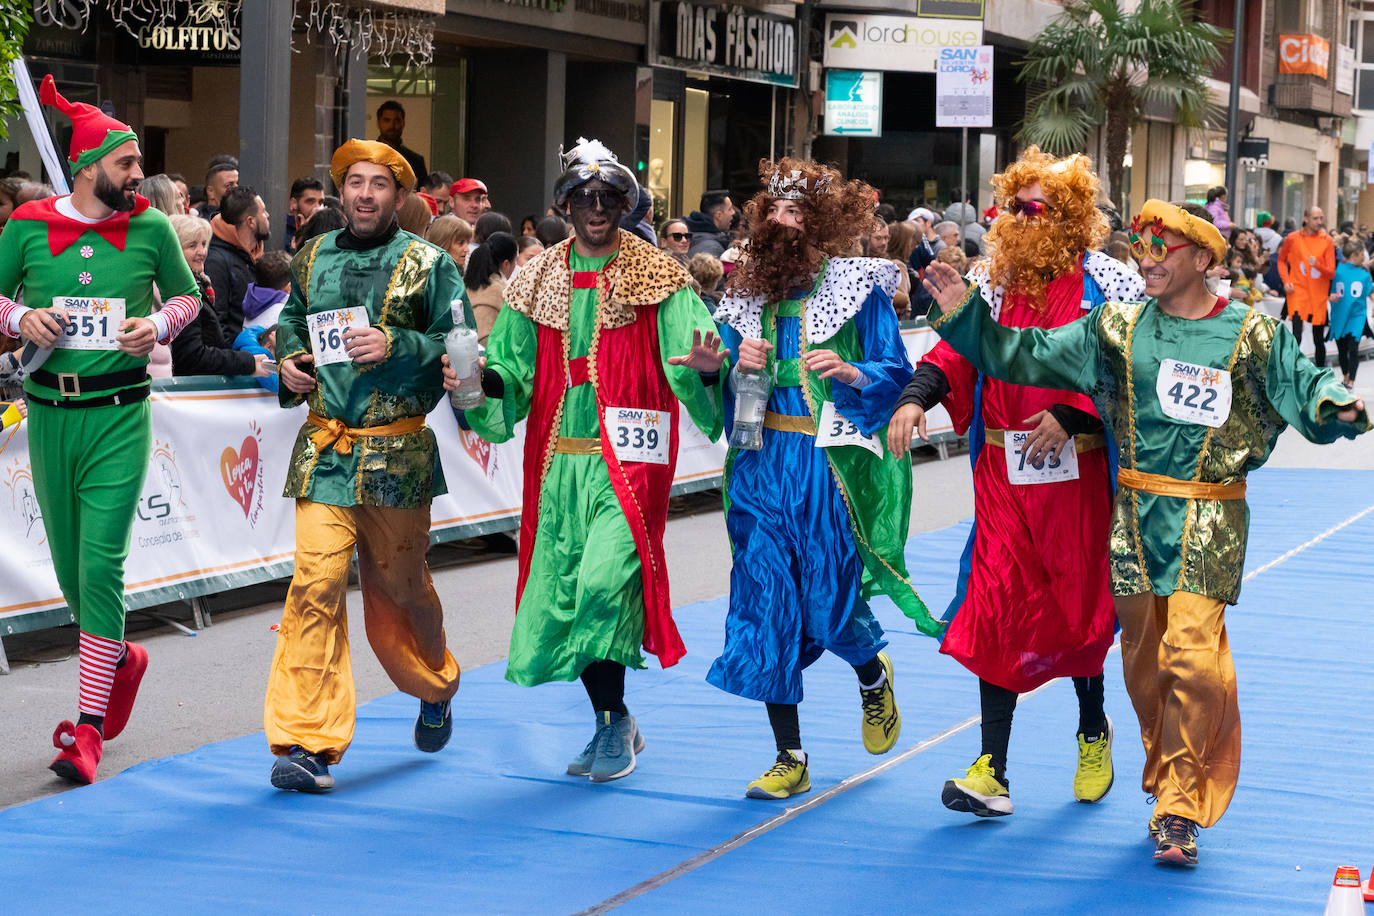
94 133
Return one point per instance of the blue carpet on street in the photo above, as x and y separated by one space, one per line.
491 824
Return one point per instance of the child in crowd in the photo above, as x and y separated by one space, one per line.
261 305
1350 289
266 295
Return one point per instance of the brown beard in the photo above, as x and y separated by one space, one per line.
1027 256
780 261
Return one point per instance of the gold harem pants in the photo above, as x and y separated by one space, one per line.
1182 683
310 698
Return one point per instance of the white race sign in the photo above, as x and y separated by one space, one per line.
327 330
92 324
1191 393
835 429
963 87
639 435
1021 470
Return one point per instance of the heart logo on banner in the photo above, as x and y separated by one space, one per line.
240 472
479 449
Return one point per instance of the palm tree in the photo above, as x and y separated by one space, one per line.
14 26
1104 66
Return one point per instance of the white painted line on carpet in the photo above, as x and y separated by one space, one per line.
1301 547
753 833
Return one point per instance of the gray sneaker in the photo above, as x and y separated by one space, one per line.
301 771
616 742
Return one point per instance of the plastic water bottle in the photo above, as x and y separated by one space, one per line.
461 344
751 399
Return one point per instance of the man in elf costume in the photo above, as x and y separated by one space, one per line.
1033 602
360 340
599 340
86 265
1196 392
817 516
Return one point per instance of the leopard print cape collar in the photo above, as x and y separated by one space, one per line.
640 275
845 286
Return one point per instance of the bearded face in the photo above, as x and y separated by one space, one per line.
119 198
1030 251
780 262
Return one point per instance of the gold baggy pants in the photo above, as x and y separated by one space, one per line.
1182 683
310 698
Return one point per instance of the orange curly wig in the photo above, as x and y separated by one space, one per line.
1027 254
781 259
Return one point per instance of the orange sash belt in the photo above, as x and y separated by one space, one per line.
342 437
1160 485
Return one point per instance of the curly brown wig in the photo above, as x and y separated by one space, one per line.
782 259
1027 254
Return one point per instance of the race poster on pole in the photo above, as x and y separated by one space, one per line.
963 87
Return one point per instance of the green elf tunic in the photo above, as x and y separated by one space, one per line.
89 462
582 596
406 287
1160 384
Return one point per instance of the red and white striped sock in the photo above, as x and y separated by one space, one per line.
99 656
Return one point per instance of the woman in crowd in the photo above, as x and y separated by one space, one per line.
489 267
453 234
707 271
200 347
325 219
529 248
528 226
162 193
901 239
414 215
489 223
551 230
676 239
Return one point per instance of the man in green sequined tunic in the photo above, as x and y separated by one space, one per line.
1195 393
360 339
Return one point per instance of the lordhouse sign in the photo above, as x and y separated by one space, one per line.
858 41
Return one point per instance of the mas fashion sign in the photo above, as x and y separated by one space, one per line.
724 39
863 42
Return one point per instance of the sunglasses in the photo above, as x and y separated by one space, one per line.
679 236
1030 209
589 199
1154 249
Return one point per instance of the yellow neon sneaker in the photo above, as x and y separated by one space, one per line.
882 720
979 792
783 779
1094 776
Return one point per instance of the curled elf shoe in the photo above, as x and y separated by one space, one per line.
80 747
124 690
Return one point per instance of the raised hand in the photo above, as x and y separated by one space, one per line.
706 355
944 285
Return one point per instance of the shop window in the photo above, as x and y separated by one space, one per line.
1363 41
662 129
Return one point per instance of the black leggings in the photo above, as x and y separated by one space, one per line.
1348 352
1318 340
998 705
783 716
605 683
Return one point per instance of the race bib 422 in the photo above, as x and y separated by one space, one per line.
1191 393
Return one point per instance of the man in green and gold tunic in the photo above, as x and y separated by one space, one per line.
1195 392
360 339
599 341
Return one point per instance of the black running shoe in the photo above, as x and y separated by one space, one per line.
301 771
433 726
1176 844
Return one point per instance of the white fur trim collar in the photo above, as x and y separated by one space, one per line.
846 285
1117 281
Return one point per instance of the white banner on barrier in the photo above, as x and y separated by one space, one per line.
212 504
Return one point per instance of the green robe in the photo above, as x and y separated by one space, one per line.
1113 354
407 287
582 605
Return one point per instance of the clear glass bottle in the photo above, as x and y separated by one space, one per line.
752 389
461 344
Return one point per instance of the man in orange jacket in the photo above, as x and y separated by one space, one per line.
1307 261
